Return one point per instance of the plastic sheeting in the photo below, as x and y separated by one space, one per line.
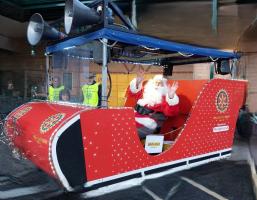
140 40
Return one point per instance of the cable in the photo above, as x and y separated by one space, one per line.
214 60
123 26
151 49
110 81
185 55
170 132
108 45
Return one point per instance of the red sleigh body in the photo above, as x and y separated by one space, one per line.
90 148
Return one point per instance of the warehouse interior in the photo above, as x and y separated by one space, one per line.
227 25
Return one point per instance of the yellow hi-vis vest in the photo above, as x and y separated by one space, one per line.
90 95
54 93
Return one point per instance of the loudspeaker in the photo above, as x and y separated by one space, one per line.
223 67
76 14
39 30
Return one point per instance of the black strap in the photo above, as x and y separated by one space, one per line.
143 110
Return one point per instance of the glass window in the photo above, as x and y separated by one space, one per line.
67 80
73 68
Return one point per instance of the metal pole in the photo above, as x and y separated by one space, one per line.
134 14
212 66
104 74
214 20
47 74
234 72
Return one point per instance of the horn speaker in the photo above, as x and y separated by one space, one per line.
39 30
76 14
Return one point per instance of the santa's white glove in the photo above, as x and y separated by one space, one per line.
172 89
140 77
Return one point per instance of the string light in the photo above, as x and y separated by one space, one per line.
185 55
7 140
214 60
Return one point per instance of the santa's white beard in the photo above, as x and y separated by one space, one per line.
152 95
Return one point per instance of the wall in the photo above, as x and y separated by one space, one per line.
249 61
23 69
188 22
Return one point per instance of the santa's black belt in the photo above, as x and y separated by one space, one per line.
143 110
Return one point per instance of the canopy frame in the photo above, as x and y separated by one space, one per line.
160 51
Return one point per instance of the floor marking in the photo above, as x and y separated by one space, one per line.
24 191
172 191
201 187
152 194
253 171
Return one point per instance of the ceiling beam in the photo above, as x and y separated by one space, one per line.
61 3
11 10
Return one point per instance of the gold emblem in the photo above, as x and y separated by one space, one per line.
20 113
39 140
222 101
50 122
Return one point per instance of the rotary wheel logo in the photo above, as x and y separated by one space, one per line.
222 101
50 122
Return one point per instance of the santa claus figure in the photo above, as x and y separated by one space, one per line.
156 101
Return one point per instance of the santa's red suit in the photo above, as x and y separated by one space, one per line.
153 105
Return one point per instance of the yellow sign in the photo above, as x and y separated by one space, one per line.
154 143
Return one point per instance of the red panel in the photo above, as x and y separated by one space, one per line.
188 92
198 136
111 144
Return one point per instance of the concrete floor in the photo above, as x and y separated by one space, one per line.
227 179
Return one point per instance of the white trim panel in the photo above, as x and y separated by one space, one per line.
143 170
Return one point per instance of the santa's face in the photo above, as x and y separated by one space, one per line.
153 93
158 84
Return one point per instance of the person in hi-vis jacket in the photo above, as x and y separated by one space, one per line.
91 91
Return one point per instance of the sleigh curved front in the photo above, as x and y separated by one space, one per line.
49 135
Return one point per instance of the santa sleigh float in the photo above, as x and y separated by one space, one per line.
87 148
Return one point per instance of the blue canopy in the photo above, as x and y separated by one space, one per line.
140 40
